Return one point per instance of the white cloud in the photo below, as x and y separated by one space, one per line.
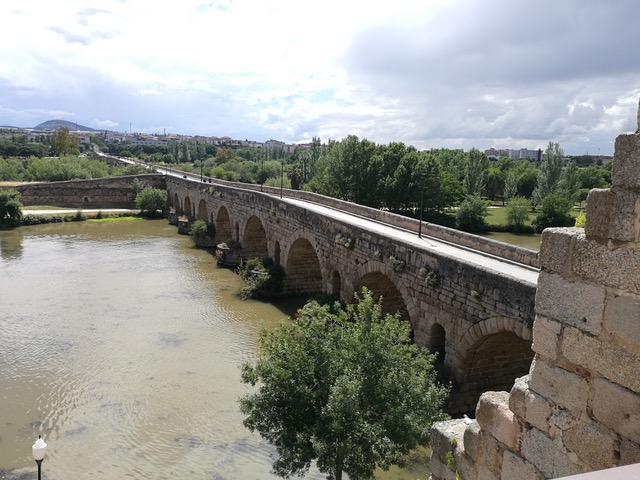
427 72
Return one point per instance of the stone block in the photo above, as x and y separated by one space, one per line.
548 455
613 266
444 433
626 162
517 396
538 410
593 443
514 467
546 337
472 440
485 474
579 304
494 416
617 408
622 319
555 250
598 214
623 222
440 470
629 452
561 387
609 360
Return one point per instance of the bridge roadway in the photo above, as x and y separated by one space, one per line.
466 254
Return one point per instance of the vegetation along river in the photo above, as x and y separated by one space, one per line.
121 344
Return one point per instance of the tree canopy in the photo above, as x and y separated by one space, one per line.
10 208
344 387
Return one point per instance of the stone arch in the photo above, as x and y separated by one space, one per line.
254 242
187 207
223 225
202 213
381 285
237 229
303 274
492 355
438 343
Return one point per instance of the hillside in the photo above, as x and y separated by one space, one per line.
57 124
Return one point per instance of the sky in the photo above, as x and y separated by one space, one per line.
429 73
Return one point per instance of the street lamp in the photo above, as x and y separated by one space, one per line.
39 449
421 208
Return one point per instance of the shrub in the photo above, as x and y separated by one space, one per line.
10 208
518 213
470 215
554 212
201 230
262 278
150 201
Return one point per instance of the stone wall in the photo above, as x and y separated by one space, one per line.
113 192
578 410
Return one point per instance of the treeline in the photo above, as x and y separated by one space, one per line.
55 169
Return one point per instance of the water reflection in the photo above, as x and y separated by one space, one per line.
124 338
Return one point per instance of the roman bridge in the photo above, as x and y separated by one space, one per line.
470 300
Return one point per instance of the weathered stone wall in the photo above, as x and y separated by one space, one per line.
578 410
113 192
469 302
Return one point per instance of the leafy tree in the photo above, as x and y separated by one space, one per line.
494 183
470 215
63 143
549 172
10 208
475 172
151 200
518 213
593 177
343 386
569 183
554 212
510 186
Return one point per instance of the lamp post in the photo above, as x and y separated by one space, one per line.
421 208
39 449
281 175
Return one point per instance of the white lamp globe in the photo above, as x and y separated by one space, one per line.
39 449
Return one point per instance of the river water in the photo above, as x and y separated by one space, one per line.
121 345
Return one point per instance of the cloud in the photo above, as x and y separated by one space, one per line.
432 73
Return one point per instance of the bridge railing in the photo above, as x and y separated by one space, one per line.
521 255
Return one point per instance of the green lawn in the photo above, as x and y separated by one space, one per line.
498 215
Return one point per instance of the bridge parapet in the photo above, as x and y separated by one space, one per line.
521 255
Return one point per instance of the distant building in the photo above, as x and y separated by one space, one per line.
524 153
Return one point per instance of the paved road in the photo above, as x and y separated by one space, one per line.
468 255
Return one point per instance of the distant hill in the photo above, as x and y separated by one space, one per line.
58 124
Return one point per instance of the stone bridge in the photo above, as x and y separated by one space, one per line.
464 301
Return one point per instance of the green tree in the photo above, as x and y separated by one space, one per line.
10 208
475 172
518 213
63 143
549 172
554 212
345 387
470 215
151 200
510 186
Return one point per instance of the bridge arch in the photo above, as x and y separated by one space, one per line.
438 342
381 280
254 241
187 209
223 225
492 354
202 211
303 272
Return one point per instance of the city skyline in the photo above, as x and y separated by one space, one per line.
433 74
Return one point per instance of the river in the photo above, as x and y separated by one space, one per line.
121 345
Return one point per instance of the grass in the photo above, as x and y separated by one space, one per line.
498 215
